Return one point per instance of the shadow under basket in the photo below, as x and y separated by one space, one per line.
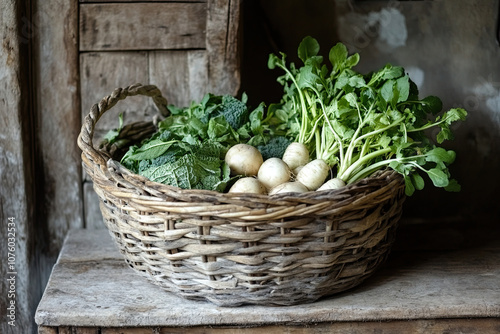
234 249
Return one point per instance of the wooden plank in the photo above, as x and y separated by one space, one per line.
64 330
469 326
59 116
98 246
22 225
101 74
86 330
131 330
223 46
181 76
47 330
142 26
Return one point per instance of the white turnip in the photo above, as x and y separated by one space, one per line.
273 172
296 155
244 159
334 183
289 187
248 185
313 174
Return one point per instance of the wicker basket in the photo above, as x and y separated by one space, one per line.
234 249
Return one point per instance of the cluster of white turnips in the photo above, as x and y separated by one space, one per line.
293 173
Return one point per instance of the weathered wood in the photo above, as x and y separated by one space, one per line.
57 89
64 330
135 331
469 326
223 47
101 74
85 246
20 284
86 330
142 26
47 330
412 287
180 75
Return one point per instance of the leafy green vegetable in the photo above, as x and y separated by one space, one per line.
190 171
361 123
275 148
180 164
112 135
189 147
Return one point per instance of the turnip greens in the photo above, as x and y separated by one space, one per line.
189 147
361 123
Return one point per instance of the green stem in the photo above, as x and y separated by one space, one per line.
354 139
345 174
369 170
366 135
427 126
301 97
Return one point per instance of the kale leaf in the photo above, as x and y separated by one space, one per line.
275 148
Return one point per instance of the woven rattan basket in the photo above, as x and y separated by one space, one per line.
234 249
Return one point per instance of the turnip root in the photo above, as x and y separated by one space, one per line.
289 187
297 170
248 185
334 183
274 172
296 155
244 159
313 174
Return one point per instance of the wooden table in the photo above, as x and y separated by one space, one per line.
452 290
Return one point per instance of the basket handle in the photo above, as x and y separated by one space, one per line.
97 110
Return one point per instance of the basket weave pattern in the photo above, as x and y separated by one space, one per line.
234 249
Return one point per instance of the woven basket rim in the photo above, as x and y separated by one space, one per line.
389 175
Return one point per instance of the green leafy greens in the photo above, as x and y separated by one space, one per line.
189 147
361 123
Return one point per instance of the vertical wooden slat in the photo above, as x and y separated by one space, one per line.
180 75
101 74
19 284
223 33
58 106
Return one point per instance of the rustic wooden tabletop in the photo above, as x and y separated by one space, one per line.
91 290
